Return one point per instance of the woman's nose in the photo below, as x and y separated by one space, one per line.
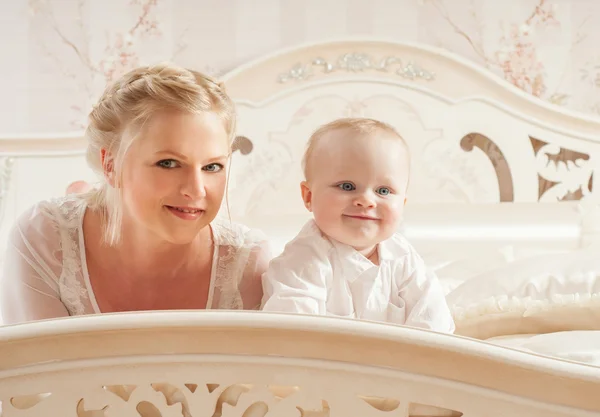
194 187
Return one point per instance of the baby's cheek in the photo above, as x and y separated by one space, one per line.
326 212
394 210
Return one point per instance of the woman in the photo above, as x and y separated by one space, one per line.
148 238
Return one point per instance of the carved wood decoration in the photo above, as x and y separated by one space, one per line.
493 152
206 399
6 165
357 62
242 144
563 172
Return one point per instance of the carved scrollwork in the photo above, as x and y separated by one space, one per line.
6 165
563 174
191 400
356 62
242 144
493 152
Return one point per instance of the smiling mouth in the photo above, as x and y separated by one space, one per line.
185 209
186 213
360 217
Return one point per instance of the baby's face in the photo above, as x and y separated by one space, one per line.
356 187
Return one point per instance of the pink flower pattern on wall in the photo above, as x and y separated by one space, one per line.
119 54
514 40
518 57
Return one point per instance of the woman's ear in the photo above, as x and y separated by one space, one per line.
108 166
306 195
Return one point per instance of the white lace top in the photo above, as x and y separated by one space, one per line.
45 273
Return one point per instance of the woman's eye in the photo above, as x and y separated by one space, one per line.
213 167
167 163
347 186
383 191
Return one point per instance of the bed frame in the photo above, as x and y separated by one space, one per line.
484 154
244 364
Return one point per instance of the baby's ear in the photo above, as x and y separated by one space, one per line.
306 195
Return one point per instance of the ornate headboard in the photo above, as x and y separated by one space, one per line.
474 138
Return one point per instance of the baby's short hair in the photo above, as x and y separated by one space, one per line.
355 125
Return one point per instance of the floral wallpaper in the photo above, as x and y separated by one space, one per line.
61 53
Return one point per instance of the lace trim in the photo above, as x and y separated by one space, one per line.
235 242
67 220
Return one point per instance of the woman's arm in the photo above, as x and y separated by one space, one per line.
258 262
32 266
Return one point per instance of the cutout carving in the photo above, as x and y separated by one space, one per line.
416 409
25 402
194 400
496 157
242 144
563 174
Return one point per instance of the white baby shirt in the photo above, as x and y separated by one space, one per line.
319 276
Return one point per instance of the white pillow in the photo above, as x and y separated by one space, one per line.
454 269
542 277
543 294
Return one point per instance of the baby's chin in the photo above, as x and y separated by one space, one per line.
356 239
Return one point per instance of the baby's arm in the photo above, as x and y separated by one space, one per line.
296 281
426 305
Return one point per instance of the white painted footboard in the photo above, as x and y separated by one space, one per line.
235 364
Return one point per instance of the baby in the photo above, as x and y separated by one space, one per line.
350 260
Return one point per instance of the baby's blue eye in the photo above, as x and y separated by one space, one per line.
383 191
167 163
347 186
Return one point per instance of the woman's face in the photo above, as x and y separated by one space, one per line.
174 175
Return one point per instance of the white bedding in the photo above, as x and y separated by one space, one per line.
579 346
495 286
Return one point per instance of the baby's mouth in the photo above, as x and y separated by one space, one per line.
361 217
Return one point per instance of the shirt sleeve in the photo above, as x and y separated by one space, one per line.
296 281
29 287
424 298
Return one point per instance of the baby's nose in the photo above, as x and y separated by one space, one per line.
364 200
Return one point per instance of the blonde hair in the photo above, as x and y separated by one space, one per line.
355 125
119 117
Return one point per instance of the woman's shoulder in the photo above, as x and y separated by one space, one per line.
230 233
58 213
44 230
